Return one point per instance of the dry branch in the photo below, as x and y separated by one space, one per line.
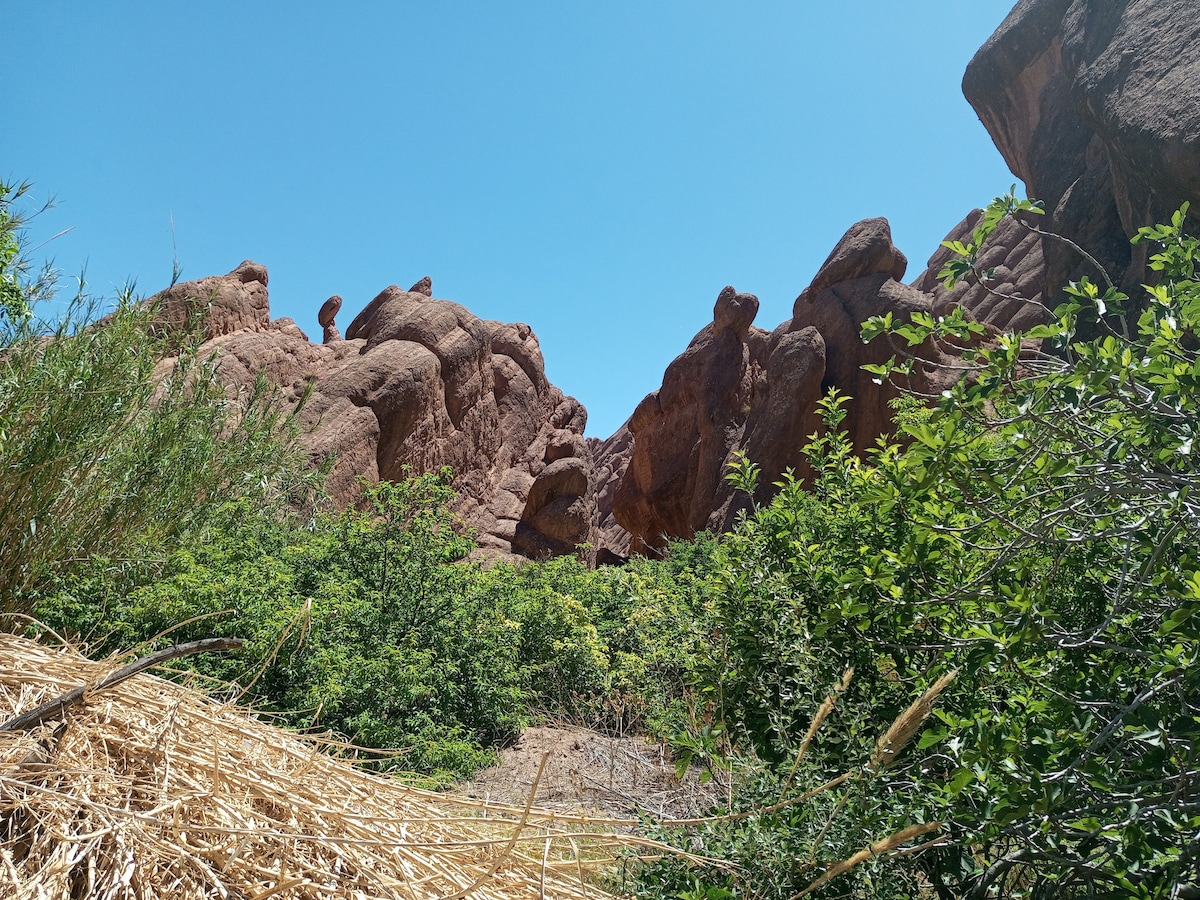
62 703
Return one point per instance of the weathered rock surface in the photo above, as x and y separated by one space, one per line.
224 304
325 316
1012 300
612 459
684 432
1096 107
737 388
421 383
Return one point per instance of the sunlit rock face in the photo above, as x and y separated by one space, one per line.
740 389
416 384
1096 107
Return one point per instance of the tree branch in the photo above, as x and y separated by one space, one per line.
59 705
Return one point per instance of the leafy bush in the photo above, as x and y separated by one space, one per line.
1061 479
368 623
104 454
1035 533
781 587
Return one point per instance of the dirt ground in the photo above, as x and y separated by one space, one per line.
588 772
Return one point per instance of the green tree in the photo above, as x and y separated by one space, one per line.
1056 489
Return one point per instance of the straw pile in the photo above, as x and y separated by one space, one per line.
153 791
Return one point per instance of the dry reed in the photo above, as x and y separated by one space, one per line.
152 790
907 724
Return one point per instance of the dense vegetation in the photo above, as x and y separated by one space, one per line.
1025 551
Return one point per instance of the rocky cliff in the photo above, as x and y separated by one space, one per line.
740 389
416 384
1095 106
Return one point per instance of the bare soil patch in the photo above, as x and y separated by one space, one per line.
595 774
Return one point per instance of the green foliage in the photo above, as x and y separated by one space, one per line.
559 652
14 291
371 623
1036 533
790 591
368 624
117 440
966 255
1054 491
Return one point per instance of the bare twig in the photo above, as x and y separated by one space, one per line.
59 705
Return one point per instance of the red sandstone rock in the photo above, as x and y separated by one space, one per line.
225 303
1014 298
329 309
1096 107
418 383
737 388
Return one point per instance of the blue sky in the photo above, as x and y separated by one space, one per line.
599 170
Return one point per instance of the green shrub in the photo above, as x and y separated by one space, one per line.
1037 535
368 623
102 453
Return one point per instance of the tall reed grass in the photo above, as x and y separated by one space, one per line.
117 440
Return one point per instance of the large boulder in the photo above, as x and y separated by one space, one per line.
221 304
417 384
1096 107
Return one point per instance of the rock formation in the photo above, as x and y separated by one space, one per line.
737 388
325 316
419 383
1096 107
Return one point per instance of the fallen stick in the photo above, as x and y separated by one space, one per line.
59 705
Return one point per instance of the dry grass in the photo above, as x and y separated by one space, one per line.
152 791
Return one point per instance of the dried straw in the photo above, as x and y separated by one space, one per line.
822 714
151 790
888 845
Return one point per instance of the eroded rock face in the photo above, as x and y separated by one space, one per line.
684 432
422 383
1014 299
612 459
224 304
737 388
1096 107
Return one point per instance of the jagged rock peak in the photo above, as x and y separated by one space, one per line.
865 249
734 311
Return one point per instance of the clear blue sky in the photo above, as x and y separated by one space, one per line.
599 170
